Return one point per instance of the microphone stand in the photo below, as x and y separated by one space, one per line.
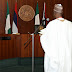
33 52
33 45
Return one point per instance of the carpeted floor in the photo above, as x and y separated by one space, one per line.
21 65
27 68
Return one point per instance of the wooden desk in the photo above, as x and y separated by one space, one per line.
16 48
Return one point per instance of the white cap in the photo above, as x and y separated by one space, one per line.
58 8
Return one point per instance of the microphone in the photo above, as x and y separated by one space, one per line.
29 33
47 19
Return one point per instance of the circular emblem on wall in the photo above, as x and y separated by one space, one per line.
26 13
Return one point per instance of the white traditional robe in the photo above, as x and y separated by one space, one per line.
56 41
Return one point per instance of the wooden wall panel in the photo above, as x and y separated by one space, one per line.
36 45
30 46
10 48
69 10
25 27
38 50
18 45
1 25
23 40
0 50
11 45
7 49
14 47
3 17
3 49
26 50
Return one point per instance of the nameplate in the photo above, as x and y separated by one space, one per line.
5 38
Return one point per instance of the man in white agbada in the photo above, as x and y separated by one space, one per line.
56 41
